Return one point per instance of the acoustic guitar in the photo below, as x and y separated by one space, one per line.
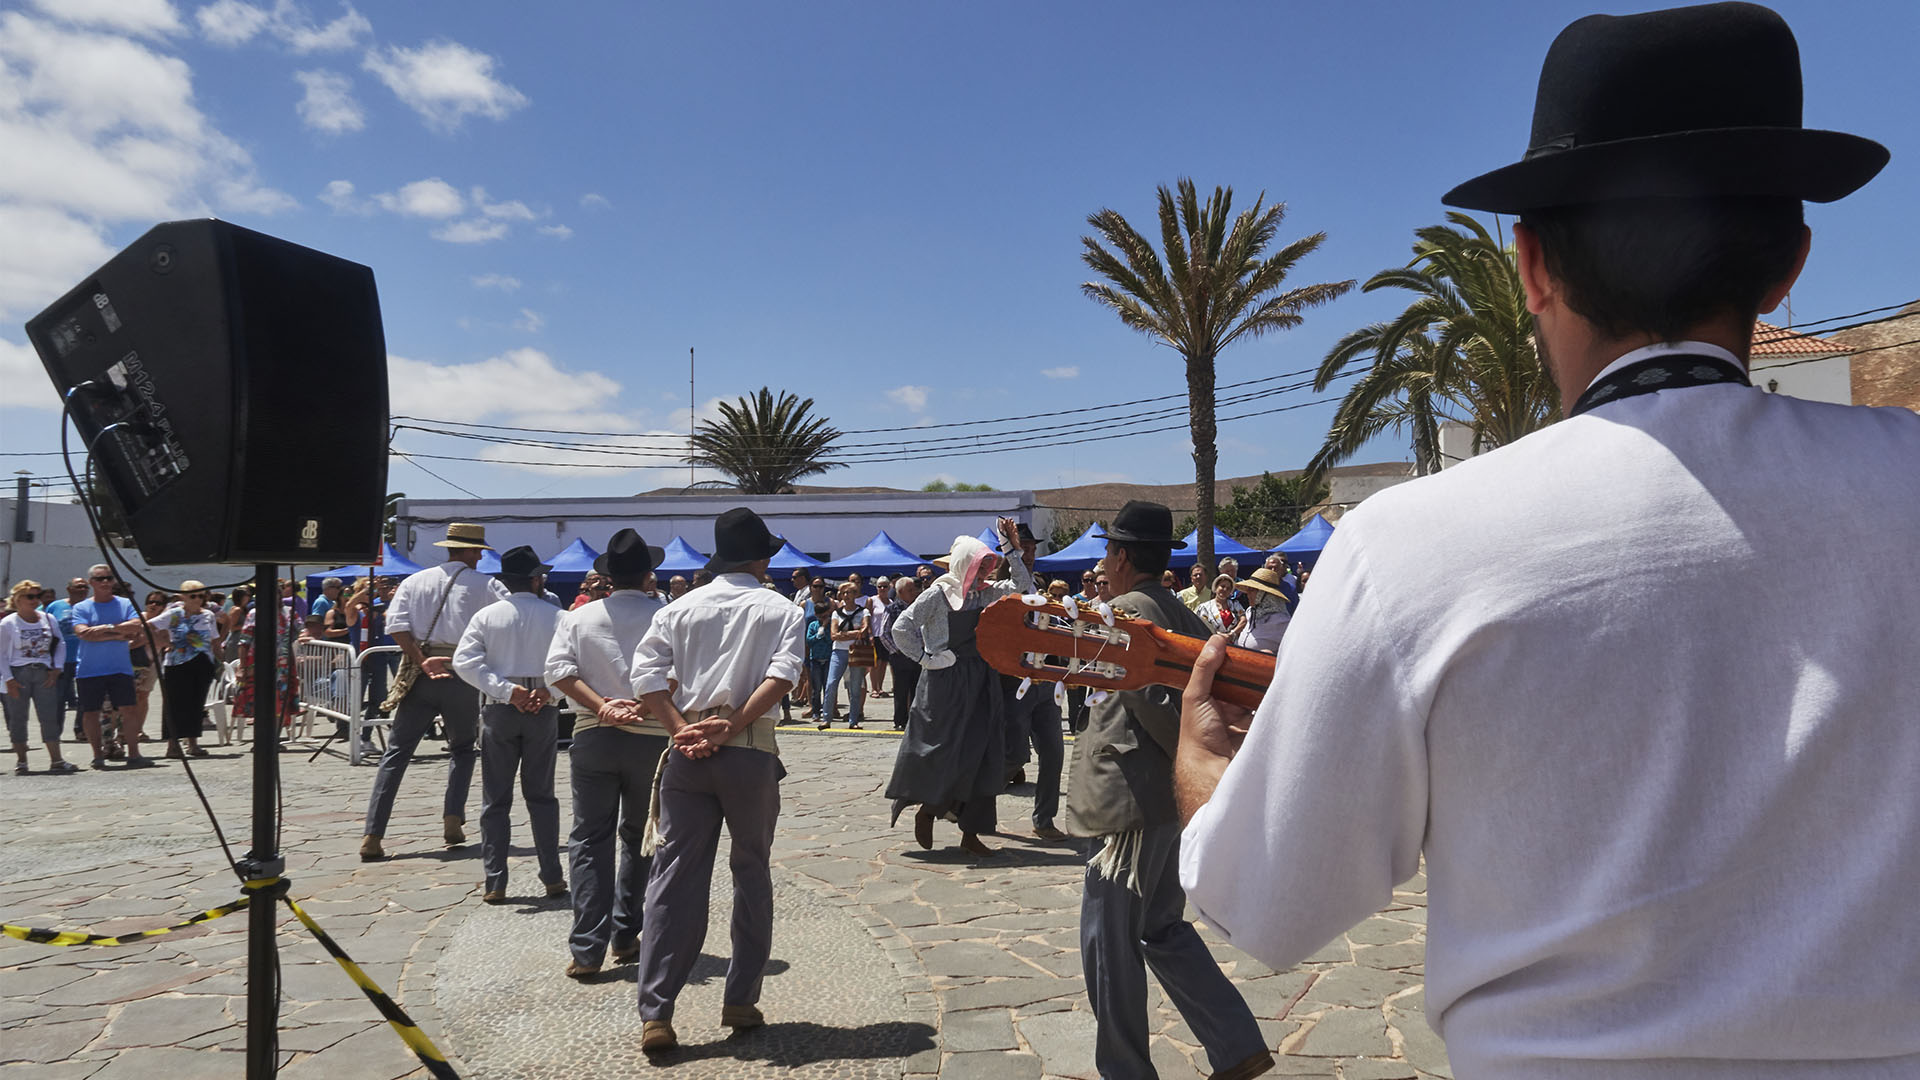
1036 638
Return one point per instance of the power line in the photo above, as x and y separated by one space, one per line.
433 474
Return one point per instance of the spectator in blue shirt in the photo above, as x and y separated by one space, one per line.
106 625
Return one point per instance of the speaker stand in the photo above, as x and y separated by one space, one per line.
264 860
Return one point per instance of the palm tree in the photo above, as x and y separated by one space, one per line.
1462 351
1214 288
765 445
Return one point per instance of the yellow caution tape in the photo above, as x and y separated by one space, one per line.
410 1033
81 937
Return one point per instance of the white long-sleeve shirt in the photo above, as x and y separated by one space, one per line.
597 642
506 645
37 642
720 642
1664 785
414 602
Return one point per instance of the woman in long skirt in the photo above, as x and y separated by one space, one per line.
951 761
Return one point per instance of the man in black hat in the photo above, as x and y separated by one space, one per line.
1665 807
1133 912
616 748
711 668
503 654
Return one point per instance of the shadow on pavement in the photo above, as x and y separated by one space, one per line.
792 1045
709 968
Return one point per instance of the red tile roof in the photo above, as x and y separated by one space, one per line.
1771 340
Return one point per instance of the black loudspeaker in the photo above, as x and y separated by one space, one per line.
232 389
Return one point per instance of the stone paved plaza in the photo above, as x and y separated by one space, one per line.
888 961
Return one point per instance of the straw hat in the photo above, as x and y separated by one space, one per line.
1265 580
463 535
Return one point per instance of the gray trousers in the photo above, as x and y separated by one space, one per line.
1036 718
458 703
527 743
741 789
1122 933
34 694
612 775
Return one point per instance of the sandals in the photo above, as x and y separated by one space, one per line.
22 770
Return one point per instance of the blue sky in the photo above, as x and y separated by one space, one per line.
875 205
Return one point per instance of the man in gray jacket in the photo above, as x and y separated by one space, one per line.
1132 913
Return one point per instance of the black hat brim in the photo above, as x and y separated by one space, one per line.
654 555
721 565
1134 538
1792 163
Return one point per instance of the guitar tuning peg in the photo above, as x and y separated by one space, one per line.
1060 695
1033 599
1106 613
1025 685
1096 697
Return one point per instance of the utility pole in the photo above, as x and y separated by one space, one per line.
690 409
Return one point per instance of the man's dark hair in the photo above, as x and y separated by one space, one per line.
1147 558
516 583
1664 266
627 581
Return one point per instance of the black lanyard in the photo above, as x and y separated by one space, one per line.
1658 373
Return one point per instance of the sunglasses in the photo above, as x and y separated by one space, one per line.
101 577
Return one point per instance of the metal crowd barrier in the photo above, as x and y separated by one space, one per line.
333 682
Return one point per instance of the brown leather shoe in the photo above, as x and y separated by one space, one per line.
370 850
923 828
1246 1069
556 888
970 843
657 1035
741 1017
497 896
1048 832
454 833
578 970
627 955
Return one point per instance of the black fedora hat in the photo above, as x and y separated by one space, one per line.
1685 102
1142 522
740 537
522 562
627 555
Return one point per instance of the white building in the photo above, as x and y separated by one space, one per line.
825 526
52 543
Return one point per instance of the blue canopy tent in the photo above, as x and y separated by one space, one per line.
1188 552
392 564
791 558
1305 546
881 555
489 562
680 558
1077 557
572 564
990 537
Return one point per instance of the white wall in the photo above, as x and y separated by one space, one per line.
63 548
1826 379
824 526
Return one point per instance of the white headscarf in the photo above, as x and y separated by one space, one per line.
964 570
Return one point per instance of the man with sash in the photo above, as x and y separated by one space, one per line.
503 654
616 748
1132 912
711 668
428 613
1666 806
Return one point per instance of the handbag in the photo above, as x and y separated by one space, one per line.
409 671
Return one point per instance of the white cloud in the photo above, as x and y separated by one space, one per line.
445 82
471 231
233 22
339 195
511 210
429 198
530 321
23 382
329 105
558 232
1067 372
101 130
496 281
911 398
593 200
230 22
144 17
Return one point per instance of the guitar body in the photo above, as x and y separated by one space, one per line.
1031 637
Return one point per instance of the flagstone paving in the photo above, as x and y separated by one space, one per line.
888 962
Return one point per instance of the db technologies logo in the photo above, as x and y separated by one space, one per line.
310 534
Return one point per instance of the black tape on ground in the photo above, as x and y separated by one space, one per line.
81 937
410 1033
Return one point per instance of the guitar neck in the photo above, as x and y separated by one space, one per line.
1242 680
